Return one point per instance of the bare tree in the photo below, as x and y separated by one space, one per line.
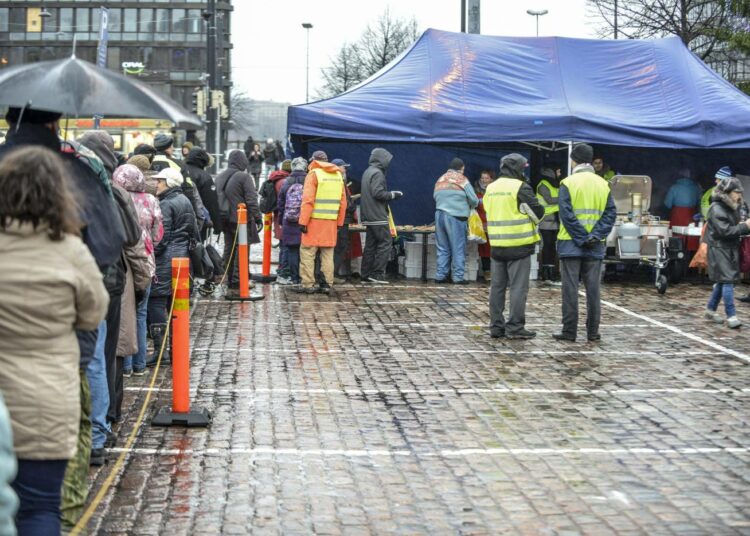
701 24
379 45
344 72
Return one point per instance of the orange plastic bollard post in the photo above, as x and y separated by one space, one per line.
243 258
180 413
265 276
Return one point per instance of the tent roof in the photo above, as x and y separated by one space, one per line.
455 87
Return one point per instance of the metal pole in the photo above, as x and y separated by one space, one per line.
212 114
307 67
616 20
537 25
463 16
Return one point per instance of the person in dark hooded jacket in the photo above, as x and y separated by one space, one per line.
373 210
237 187
195 165
723 233
291 234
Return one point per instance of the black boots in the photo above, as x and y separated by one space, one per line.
158 332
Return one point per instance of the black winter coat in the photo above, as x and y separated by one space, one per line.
723 238
196 162
373 207
180 227
238 187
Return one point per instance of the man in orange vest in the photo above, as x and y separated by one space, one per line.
321 214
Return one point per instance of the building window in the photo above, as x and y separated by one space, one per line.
194 21
82 19
159 59
130 20
49 24
66 19
178 21
178 59
162 21
115 20
4 19
146 23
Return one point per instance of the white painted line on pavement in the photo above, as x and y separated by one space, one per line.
252 322
445 453
456 391
674 329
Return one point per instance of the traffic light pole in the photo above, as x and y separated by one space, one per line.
213 119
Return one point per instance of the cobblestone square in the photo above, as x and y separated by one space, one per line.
389 410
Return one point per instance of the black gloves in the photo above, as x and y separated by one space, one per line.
396 194
303 228
590 242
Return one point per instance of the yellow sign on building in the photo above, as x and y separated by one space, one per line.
33 20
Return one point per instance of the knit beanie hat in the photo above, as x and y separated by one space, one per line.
286 165
582 153
724 173
140 161
188 144
163 141
299 164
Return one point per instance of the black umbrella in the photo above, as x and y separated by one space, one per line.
78 88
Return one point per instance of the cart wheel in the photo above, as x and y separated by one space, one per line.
661 284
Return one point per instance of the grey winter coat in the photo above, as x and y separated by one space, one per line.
723 238
373 206
238 187
179 228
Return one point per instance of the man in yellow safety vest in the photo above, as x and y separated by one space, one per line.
546 192
513 212
587 215
321 214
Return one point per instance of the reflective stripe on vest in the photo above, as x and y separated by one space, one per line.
553 192
328 195
588 195
506 226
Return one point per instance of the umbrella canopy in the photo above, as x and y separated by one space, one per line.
78 88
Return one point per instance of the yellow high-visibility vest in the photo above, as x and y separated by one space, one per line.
553 191
706 202
506 226
588 195
328 195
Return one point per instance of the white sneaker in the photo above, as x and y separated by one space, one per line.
377 281
733 322
283 281
713 316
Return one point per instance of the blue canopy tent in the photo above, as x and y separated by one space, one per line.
461 91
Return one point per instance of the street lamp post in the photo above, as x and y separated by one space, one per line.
537 13
307 26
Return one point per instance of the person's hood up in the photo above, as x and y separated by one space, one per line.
548 174
103 146
198 157
278 175
380 158
237 160
325 166
512 166
721 197
129 177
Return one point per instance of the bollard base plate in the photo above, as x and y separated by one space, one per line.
252 297
263 278
197 417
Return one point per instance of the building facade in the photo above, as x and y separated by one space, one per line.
160 42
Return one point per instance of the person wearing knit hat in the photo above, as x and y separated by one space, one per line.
299 164
286 165
186 148
142 162
146 150
587 214
723 173
180 227
724 232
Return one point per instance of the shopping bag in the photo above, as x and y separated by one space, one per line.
476 229
700 259
392 224
745 255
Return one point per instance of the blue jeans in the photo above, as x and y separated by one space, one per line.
97 375
283 269
450 233
292 259
138 361
723 291
38 485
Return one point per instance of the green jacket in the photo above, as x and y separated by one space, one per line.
8 499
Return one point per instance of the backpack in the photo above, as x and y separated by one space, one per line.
268 199
224 208
293 203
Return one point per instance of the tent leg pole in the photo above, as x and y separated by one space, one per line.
570 155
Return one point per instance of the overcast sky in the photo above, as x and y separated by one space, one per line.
269 41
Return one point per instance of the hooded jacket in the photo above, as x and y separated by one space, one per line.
723 233
195 164
373 205
103 232
278 178
101 142
179 228
320 233
291 235
238 187
512 167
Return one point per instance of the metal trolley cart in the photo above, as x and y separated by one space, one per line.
640 238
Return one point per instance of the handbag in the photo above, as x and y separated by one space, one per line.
200 262
700 259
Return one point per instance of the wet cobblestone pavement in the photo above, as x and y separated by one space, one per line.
384 410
